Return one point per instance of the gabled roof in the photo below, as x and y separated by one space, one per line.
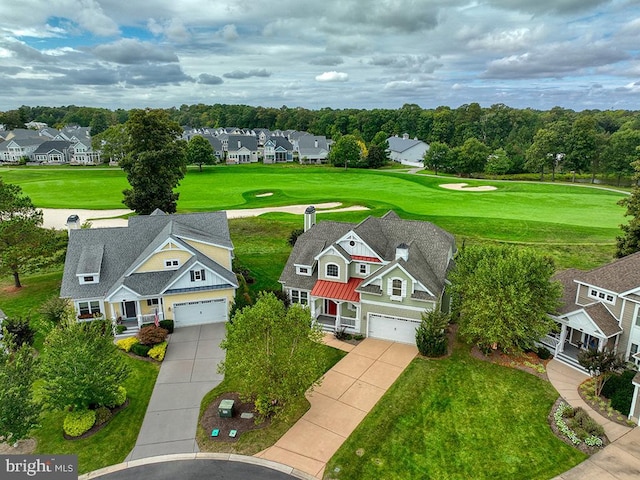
603 318
399 144
236 142
124 246
430 247
52 145
281 142
569 289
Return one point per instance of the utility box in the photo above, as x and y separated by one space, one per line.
225 410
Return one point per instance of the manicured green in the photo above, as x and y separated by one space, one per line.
457 418
255 441
114 442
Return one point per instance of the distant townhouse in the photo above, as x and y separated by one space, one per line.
242 149
278 150
407 151
53 152
313 149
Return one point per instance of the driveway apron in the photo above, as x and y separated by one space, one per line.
188 372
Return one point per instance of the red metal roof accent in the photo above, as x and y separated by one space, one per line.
337 290
365 259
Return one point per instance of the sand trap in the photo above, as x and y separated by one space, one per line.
57 217
268 194
465 188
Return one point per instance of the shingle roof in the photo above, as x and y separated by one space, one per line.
50 145
236 142
569 289
399 144
123 246
603 318
618 276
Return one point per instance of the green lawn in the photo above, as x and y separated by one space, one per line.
457 418
255 441
114 442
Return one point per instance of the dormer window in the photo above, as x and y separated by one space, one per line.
88 279
332 270
197 275
85 279
363 268
396 289
303 271
173 263
602 296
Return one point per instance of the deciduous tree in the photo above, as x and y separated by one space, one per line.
438 157
346 152
629 241
155 161
273 353
200 152
503 296
601 365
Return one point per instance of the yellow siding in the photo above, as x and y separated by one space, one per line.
170 300
217 254
155 263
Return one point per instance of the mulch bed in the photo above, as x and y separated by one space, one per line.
583 447
603 411
514 361
211 420
96 428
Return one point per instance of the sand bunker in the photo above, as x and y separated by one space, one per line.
57 217
268 194
464 187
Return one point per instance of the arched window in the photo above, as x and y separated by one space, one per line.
332 270
396 288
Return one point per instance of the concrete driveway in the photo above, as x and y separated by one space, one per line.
188 372
348 392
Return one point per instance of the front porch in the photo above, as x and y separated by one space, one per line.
334 316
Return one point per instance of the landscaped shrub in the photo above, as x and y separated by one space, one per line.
619 390
120 329
126 343
140 349
21 330
152 335
121 397
582 422
167 325
431 334
103 414
54 309
78 422
158 351
543 353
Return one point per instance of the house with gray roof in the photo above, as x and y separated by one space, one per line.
242 149
53 151
375 278
170 266
278 150
407 151
313 148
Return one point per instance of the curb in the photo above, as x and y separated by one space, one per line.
199 456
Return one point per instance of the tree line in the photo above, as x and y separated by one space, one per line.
468 139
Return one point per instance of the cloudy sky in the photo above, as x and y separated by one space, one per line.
578 54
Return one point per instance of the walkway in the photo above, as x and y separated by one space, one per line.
187 373
619 460
348 392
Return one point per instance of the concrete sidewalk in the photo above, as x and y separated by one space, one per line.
348 392
188 372
620 460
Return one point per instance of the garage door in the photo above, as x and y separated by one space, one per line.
197 313
396 329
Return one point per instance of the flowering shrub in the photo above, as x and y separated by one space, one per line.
593 441
158 351
562 425
584 422
126 343
152 335
78 422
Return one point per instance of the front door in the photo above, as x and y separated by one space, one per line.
129 309
331 307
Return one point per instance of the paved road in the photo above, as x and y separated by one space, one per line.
197 470
187 373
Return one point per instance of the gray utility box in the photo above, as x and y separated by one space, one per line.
225 409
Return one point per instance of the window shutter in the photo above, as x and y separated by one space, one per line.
404 288
202 273
193 277
390 287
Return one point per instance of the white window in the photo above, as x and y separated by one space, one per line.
89 308
171 263
333 270
303 271
299 296
396 289
197 275
363 268
633 351
152 301
602 296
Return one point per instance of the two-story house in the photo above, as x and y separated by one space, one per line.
278 150
374 278
173 266
242 149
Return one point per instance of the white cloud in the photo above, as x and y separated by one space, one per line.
332 77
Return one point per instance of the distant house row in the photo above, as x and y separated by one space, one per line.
71 145
246 145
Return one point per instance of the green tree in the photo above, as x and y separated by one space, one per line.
111 143
346 152
629 241
548 149
81 366
24 245
621 152
431 335
200 152
19 411
438 157
471 157
584 146
155 161
601 365
498 163
377 156
503 296
273 353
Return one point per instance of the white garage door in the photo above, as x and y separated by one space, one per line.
197 313
396 329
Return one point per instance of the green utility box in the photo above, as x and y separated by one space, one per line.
225 409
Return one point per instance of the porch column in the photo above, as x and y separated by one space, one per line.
138 314
357 317
563 338
312 305
113 311
161 309
634 400
338 308
601 343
